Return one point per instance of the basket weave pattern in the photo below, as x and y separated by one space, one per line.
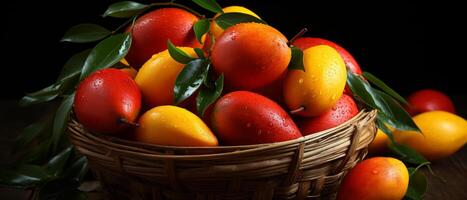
305 168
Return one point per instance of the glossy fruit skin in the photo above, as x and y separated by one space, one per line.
443 134
174 126
429 100
243 118
152 30
350 62
103 98
320 86
157 76
216 30
375 179
251 55
344 110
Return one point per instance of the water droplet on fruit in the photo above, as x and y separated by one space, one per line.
233 36
97 83
333 97
374 171
300 80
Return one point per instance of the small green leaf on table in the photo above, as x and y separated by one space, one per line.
417 185
106 53
200 28
227 20
296 62
83 33
210 5
190 79
378 82
77 169
124 9
207 96
44 95
23 176
56 163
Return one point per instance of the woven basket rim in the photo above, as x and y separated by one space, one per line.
126 145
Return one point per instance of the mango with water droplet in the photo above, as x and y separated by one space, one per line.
323 82
174 126
243 118
250 55
344 110
157 76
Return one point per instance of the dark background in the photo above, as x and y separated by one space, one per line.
409 46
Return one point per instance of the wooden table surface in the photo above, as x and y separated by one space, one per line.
449 181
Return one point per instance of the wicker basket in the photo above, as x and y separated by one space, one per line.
308 167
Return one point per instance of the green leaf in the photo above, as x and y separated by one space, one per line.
106 53
178 54
384 128
407 154
124 9
403 120
83 33
200 53
74 65
296 62
417 185
378 82
190 79
56 163
392 111
60 121
361 89
227 20
44 95
207 96
77 169
23 176
210 5
200 28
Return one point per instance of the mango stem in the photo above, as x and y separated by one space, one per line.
125 121
293 112
299 34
